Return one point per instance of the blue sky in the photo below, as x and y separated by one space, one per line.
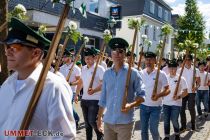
204 7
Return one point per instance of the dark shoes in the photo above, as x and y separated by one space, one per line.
177 137
182 129
166 138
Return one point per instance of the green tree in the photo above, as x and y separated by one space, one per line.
191 24
3 61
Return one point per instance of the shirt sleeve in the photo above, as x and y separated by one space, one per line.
139 86
101 73
60 112
102 101
197 73
77 71
164 79
183 83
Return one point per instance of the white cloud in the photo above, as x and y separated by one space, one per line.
170 1
204 8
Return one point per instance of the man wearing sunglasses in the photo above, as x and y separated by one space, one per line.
24 51
119 123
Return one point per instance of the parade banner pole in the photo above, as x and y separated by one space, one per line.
49 58
3 26
103 52
166 30
129 71
180 75
140 58
57 65
194 70
159 65
206 77
75 60
96 66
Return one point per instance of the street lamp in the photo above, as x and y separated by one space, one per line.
111 22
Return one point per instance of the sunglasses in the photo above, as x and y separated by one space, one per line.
13 48
118 50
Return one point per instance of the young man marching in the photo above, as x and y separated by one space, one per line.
91 96
150 109
118 124
203 91
172 103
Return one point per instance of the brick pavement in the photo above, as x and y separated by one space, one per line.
202 133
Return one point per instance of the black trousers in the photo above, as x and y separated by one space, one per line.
90 110
190 98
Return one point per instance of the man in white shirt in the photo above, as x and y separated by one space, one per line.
203 91
24 51
190 98
172 103
150 109
74 78
91 96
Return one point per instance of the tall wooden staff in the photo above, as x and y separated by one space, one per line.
194 70
144 37
71 34
180 75
207 73
61 55
140 57
166 30
39 86
75 60
136 25
107 36
96 66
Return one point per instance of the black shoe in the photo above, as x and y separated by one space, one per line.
182 129
166 138
200 118
177 137
206 115
77 125
193 127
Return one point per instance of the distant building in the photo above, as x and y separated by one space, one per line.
43 12
154 12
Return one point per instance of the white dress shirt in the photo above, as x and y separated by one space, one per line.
203 78
53 111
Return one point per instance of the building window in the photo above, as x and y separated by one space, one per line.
146 30
91 43
166 16
94 6
160 13
154 33
152 7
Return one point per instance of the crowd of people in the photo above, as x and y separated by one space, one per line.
101 103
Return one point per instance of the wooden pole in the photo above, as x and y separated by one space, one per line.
194 70
140 58
180 75
39 86
75 60
57 65
159 65
3 26
129 71
103 52
96 66
206 77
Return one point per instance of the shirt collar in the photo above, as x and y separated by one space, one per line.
125 66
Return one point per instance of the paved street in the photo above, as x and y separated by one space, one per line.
203 132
